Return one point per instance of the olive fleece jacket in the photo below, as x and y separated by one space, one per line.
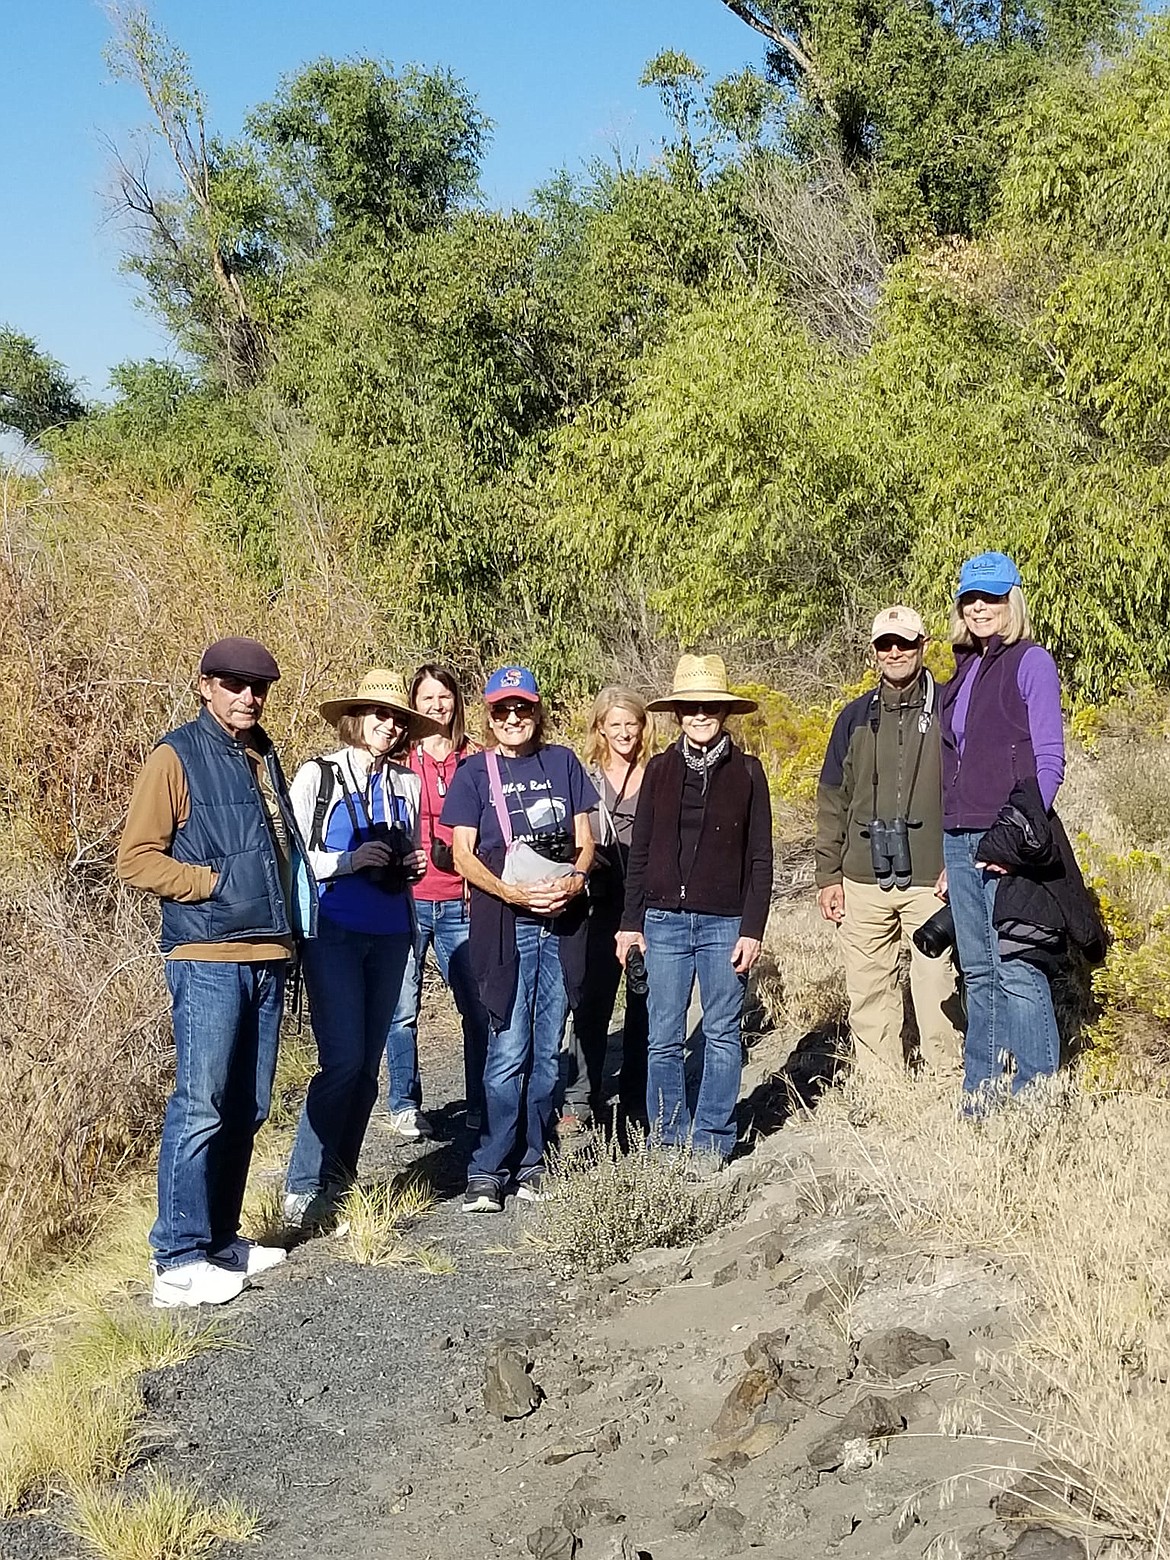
845 794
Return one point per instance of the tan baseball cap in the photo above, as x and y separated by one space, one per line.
902 622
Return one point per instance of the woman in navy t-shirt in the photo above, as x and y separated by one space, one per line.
520 819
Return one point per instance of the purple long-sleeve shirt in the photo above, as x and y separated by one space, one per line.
1039 685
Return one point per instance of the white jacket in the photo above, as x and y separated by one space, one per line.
402 783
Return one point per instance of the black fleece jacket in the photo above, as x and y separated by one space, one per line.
731 873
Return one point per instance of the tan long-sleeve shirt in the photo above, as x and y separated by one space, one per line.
161 804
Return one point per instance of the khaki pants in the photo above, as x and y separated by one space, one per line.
876 922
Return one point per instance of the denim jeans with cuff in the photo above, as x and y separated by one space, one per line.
520 1078
1009 1002
680 947
227 1026
443 925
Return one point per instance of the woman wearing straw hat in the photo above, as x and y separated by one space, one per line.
697 894
358 812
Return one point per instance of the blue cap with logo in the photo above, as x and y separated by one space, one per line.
993 572
511 682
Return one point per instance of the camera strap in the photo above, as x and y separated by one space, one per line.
925 717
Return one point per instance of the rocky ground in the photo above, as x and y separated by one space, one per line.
794 1386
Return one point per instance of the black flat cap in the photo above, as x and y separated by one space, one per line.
239 658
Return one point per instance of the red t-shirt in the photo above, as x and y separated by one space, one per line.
436 776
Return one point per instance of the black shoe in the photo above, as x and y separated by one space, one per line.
482 1195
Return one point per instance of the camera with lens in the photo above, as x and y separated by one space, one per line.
935 936
442 856
637 980
556 845
889 848
395 877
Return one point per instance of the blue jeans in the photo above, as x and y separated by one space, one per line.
443 925
227 1025
520 1079
1009 1003
354 981
681 945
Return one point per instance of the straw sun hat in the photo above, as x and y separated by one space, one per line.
383 688
702 679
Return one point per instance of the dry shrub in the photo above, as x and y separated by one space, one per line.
800 981
1060 1184
1135 782
601 1205
84 1057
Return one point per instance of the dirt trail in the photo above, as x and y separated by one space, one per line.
352 1413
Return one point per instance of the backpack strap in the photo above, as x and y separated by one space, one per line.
496 791
330 777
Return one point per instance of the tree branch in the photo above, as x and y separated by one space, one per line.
795 51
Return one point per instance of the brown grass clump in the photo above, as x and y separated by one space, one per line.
1065 1185
84 1055
163 1522
800 980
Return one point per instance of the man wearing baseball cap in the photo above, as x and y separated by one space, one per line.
879 852
211 833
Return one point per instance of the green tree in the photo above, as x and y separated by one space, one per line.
36 393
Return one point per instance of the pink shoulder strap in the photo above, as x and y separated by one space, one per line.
497 794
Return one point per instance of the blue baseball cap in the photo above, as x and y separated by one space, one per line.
993 572
511 682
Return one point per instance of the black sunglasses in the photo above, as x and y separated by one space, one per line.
890 642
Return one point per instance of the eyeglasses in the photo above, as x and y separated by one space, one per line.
384 716
701 709
986 598
889 642
258 685
499 713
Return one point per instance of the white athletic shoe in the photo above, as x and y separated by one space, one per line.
410 1124
195 1283
245 1256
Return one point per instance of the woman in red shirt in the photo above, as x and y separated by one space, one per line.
439 899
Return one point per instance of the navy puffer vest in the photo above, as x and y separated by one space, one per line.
228 830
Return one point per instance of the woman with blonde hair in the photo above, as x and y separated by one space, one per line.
1001 727
617 747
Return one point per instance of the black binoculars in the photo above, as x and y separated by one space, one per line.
889 848
555 845
395 877
637 980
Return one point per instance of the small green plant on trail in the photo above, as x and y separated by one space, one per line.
164 1522
601 1205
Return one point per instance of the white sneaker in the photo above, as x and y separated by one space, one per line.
195 1283
245 1256
410 1124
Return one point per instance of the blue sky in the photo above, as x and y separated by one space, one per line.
559 80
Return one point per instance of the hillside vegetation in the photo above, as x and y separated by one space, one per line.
902 297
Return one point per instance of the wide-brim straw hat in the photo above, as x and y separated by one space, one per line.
702 679
389 689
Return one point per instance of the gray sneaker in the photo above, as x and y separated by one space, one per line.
410 1124
308 1212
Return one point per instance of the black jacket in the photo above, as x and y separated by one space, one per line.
1042 903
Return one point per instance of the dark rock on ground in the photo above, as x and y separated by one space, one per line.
509 1392
870 1418
898 1350
1045 1543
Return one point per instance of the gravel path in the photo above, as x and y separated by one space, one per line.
343 1380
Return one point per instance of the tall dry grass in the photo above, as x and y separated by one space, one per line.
1068 1188
107 601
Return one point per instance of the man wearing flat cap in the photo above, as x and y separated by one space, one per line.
211 833
879 852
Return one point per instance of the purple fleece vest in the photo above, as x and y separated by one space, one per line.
997 742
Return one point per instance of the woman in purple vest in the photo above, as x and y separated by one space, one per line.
1001 723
